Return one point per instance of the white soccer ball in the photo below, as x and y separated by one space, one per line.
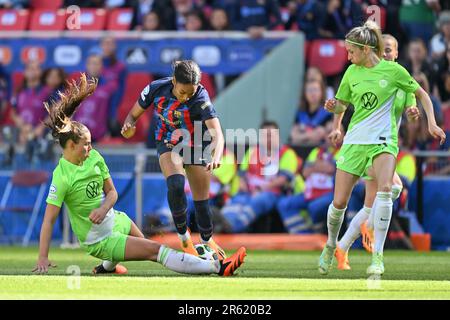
205 252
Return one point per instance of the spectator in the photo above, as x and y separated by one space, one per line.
417 19
113 70
310 15
318 173
195 21
143 7
4 93
54 79
94 110
342 15
311 119
266 172
314 73
219 20
175 15
414 128
255 16
28 113
440 40
417 61
151 22
442 66
14 4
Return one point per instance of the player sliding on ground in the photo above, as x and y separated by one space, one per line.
79 180
371 85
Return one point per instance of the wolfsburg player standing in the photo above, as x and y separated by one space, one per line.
370 84
79 181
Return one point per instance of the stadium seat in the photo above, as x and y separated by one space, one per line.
14 20
134 84
330 56
119 19
48 19
46 4
20 184
208 82
17 80
92 20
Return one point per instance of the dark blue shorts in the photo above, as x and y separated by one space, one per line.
197 155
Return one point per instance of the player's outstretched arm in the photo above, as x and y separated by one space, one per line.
435 131
217 142
42 265
129 126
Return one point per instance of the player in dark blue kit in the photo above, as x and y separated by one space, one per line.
189 140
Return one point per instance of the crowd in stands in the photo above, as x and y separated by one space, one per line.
422 28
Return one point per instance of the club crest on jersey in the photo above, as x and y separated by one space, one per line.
369 101
92 189
383 83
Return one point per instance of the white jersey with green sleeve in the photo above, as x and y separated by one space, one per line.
373 91
81 189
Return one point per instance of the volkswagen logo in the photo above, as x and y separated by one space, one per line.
369 101
92 189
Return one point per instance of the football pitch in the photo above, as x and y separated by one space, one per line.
265 275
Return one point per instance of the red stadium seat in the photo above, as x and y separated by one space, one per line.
134 84
208 82
17 80
46 4
14 20
119 19
92 20
48 19
330 56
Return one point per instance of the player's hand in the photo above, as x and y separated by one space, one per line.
128 130
335 137
330 105
42 265
436 132
412 113
97 216
214 164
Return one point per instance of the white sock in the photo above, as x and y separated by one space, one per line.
334 223
109 265
353 231
396 191
184 237
382 218
372 215
186 263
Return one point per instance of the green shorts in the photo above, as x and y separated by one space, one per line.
358 158
112 248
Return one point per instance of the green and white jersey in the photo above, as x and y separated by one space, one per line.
373 91
81 189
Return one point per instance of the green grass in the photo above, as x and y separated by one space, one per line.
265 275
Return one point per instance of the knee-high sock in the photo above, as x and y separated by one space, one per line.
334 223
177 201
396 192
204 219
186 263
109 265
382 218
353 231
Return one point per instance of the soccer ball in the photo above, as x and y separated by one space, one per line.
205 252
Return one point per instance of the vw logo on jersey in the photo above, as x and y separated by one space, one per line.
92 189
369 101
